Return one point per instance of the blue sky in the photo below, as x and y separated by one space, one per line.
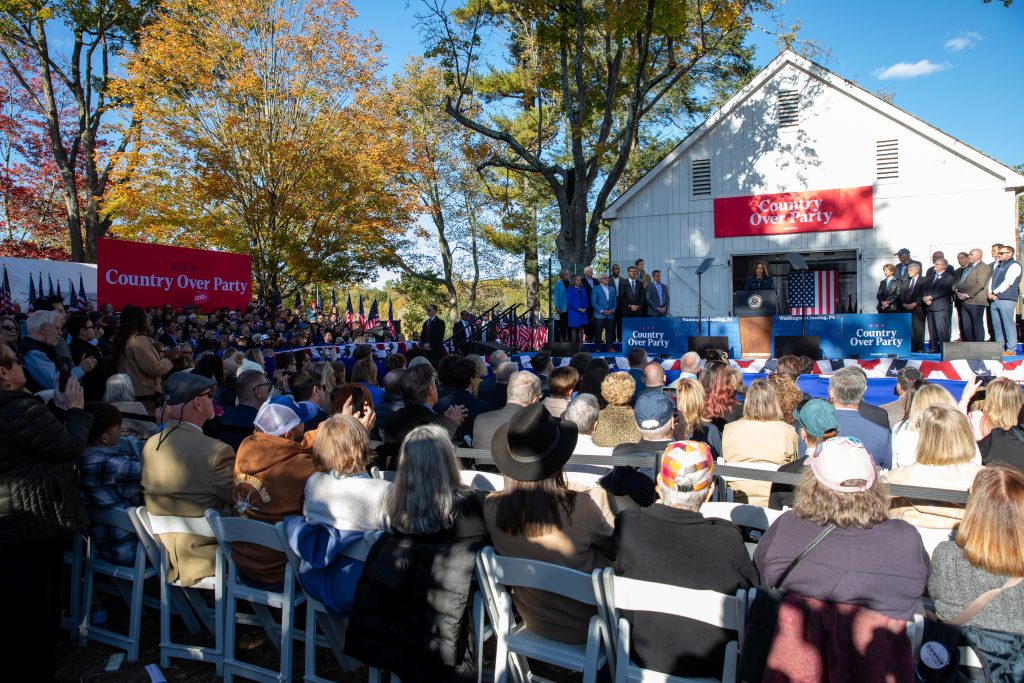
956 64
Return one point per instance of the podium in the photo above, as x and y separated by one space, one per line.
755 308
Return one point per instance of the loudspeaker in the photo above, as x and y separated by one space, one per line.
486 348
702 344
972 351
563 349
797 345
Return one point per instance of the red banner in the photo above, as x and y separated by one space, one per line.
848 208
154 275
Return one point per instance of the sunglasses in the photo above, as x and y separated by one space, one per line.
8 328
207 394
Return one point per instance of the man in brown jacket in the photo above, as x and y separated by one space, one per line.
184 472
972 290
270 477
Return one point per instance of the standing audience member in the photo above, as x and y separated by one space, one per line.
134 354
617 423
84 344
761 436
39 503
846 391
671 542
523 390
40 352
563 384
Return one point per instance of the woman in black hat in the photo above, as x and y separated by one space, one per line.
538 516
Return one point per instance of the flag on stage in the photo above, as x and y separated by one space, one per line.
49 280
60 293
40 289
362 316
73 300
813 292
349 315
373 320
6 299
31 294
319 303
334 298
83 300
391 319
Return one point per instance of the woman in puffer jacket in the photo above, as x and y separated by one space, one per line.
39 503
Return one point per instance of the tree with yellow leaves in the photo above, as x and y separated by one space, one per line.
265 130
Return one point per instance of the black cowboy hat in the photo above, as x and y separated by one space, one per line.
533 445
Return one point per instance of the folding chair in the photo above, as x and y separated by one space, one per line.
127 581
503 573
150 527
229 530
73 557
585 478
716 609
742 514
483 481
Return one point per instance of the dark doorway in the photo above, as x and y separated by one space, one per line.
843 262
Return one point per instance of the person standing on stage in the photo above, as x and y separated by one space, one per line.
935 257
432 336
963 260
561 306
902 269
616 282
657 296
937 291
589 282
602 301
1004 290
760 279
632 295
972 293
889 290
911 301
578 304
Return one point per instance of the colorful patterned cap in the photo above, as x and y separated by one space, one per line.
686 466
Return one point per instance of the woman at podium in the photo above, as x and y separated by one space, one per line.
760 279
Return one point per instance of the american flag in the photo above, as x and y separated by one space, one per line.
349 315
373 320
6 300
73 300
813 292
83 300
391 318
362 316
319 303
31 294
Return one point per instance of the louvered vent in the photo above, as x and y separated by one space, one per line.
789 108
887 159
701 177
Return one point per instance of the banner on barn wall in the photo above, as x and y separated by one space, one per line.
153 275
19 270
850 208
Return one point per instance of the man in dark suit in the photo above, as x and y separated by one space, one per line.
461 333
657 296
963 261
616 282
912 302
419 391
631 295
937 292
432 336
589 282
905 261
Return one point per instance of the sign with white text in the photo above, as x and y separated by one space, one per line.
850 208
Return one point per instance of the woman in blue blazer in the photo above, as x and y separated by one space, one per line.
578 303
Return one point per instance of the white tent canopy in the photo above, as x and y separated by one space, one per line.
19 270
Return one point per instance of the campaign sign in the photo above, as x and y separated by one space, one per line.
876 335
153 275
656 336
726 326
834 209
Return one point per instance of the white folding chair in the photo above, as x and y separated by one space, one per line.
152 526
126 581
229 530
584 478
483 481
73 558
742 514
716 609
504 573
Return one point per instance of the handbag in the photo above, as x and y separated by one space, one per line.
762 619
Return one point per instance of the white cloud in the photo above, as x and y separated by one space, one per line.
963 41
907 70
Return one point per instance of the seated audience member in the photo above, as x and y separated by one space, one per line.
583 411
787 393
308 389
184 472
690 424
40 352
580 360
408 616
271 470
1003 445
340 493
945 460
562 384
252 389
671 542
868 411
617 424
637 360
655 420
689 365
541 364
487 384
120 393
720 403
654 379
591 379
897 409
1001 406
906 433
988 551
285 366
481 372
392 400
109 474
444 384
523 390
816 421
495 394
761 436
539 517
419 392
846 391
393 361
867 559
460 376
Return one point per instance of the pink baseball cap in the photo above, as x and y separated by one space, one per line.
840 459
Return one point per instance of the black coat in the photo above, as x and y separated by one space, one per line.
433 334
627 297
940 292
908 296
889 292
1003 445
411 608
401 423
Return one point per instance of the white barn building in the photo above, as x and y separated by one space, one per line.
802 132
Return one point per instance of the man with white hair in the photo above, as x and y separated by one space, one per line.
603 302
845 391
583 411
523 390
689 365
39 352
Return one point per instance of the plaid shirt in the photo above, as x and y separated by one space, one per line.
109 477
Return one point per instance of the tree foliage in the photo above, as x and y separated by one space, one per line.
265 131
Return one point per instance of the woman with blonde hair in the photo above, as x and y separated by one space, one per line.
341 492
616 423
945 459
987 553
1002 405
760 436
787 393
690 423
906 433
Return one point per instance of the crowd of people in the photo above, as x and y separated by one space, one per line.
121 419
983 296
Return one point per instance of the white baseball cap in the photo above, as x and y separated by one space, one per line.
841 459
276 419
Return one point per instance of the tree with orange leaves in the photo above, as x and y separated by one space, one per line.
265 131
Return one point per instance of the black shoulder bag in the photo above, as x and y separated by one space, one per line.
763 617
